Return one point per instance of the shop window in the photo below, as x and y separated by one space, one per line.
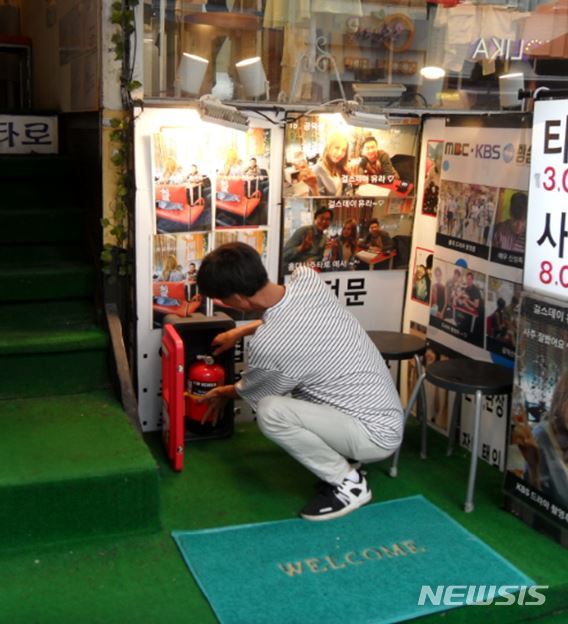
314 51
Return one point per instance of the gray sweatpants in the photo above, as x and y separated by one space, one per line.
318 436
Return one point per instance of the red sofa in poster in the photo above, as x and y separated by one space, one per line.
239 196
174 298
172 203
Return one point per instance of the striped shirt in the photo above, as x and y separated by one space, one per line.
312 347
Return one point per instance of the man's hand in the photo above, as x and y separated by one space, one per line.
216 398
225 341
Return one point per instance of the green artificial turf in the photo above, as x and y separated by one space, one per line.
248 479
39 225
62 280
51 347
72 466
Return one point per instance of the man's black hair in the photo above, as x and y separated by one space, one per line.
231 269
518 206
323 209
366 140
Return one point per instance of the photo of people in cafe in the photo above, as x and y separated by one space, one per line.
325 157
344 235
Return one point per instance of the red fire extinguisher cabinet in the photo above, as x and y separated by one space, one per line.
183 339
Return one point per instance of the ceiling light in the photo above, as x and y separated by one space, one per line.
360 119
213 110
381 91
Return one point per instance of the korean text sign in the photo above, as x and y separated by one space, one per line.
546 264
24 134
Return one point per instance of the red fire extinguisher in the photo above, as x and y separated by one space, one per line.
203 376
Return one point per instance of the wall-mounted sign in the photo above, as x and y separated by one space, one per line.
467 257
28 134
546 266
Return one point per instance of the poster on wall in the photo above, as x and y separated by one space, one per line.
546 270
509 232
176 260
421 275
348 194
198 172
537 464
434 152
199 185
242 185
460 310
472 193
345 234
256 238
503 299
211 186
479 234
348 207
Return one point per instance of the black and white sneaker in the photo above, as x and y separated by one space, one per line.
339 500
324 487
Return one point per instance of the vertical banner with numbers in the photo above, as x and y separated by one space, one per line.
546 269
537 464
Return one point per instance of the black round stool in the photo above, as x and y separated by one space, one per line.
464 376
399 346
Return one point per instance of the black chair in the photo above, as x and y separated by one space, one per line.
399 346
464 376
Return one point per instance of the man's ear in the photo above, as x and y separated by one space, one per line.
242 301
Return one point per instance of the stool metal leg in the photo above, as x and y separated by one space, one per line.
422 408
456 410
393 470
474 448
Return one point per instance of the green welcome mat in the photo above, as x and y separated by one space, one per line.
368 567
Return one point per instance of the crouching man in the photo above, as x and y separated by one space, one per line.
320 388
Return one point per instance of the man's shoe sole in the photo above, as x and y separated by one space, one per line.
340 512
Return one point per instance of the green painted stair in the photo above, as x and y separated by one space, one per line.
36 283
39 272
71 464
51 347
72 467
57 225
